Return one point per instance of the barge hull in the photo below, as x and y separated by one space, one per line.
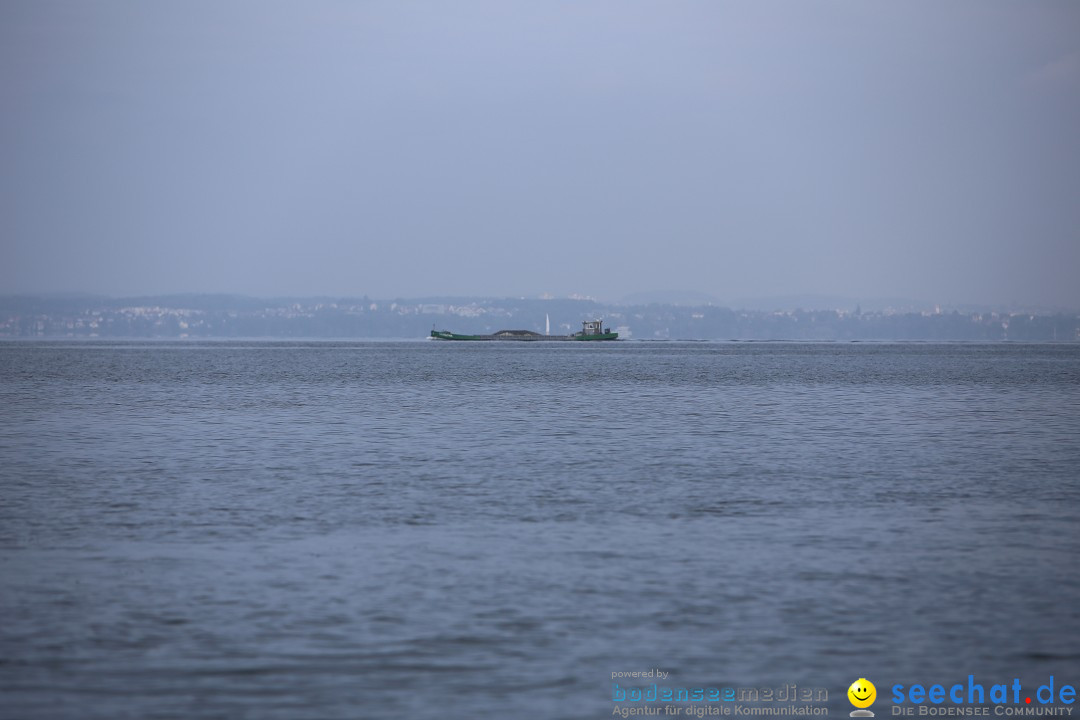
443 335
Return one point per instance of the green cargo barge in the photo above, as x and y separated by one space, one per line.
590 330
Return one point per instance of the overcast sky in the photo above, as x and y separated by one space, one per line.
926 150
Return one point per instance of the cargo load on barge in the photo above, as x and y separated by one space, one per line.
590 330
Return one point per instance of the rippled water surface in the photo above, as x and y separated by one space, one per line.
448 530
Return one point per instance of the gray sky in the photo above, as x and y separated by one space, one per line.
928 150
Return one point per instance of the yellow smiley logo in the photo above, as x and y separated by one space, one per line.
862 693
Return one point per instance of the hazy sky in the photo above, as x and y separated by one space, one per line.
928 150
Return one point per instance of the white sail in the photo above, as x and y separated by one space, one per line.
547 324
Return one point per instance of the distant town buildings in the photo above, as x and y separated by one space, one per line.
199 316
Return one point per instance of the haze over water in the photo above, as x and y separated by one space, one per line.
426 530
737 150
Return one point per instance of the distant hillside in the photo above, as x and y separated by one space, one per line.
225 316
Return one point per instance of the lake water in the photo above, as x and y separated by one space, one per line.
459 530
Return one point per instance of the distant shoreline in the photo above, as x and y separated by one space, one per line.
218 317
